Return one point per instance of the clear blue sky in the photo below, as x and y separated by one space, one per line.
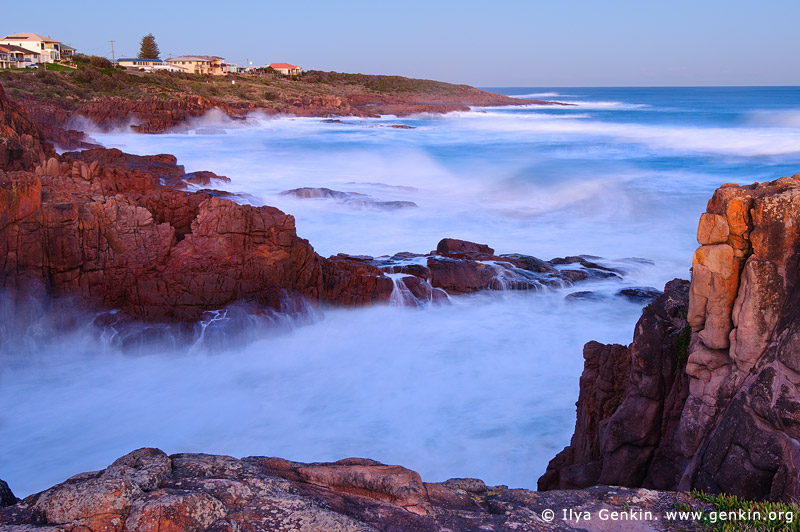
498 43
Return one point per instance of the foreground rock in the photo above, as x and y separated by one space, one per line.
707 395
148 490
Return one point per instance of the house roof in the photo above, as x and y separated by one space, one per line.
30 37
282 65
18 49
139 59
194 58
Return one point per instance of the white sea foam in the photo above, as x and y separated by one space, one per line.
535 95
789 118
478 388
620 106
744 141
484 387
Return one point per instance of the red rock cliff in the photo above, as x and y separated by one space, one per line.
22 145
707 399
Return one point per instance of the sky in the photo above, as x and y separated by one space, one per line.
523 43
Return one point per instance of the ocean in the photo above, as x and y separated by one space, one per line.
482 387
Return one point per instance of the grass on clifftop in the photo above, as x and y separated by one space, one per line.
97 78
761 515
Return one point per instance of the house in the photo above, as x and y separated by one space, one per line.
47 48
16 57
138 63
5 58
200 64
286 69
67 52
164 67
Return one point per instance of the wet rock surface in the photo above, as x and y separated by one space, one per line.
351 199
148 490
22 144
137 233
707 395
117 230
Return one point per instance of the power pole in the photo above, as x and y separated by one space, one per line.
112 52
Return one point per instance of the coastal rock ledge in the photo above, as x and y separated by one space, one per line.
707 394
147 490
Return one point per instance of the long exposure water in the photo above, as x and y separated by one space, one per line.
484 387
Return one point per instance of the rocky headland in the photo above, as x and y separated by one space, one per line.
115 231
62 103
705 396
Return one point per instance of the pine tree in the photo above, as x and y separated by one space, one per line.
148 48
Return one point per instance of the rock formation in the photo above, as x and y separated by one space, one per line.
22 145
101 225
708 398
158 103
120 231
147 490
6 496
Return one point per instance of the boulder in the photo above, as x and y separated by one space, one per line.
455 247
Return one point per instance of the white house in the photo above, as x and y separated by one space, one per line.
49 49
138 63
200 64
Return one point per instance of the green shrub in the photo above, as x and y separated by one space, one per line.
82 60
682 340
760 510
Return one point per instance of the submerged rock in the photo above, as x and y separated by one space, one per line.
353 199
585 295
640 294
588 269
318 192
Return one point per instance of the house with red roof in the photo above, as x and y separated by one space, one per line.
286 69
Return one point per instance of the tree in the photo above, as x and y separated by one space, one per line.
148 48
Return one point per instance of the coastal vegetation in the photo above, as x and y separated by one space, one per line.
758 515
96 78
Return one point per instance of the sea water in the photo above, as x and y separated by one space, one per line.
483 387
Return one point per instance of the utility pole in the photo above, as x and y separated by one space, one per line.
112 52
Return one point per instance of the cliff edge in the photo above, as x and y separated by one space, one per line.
707 394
